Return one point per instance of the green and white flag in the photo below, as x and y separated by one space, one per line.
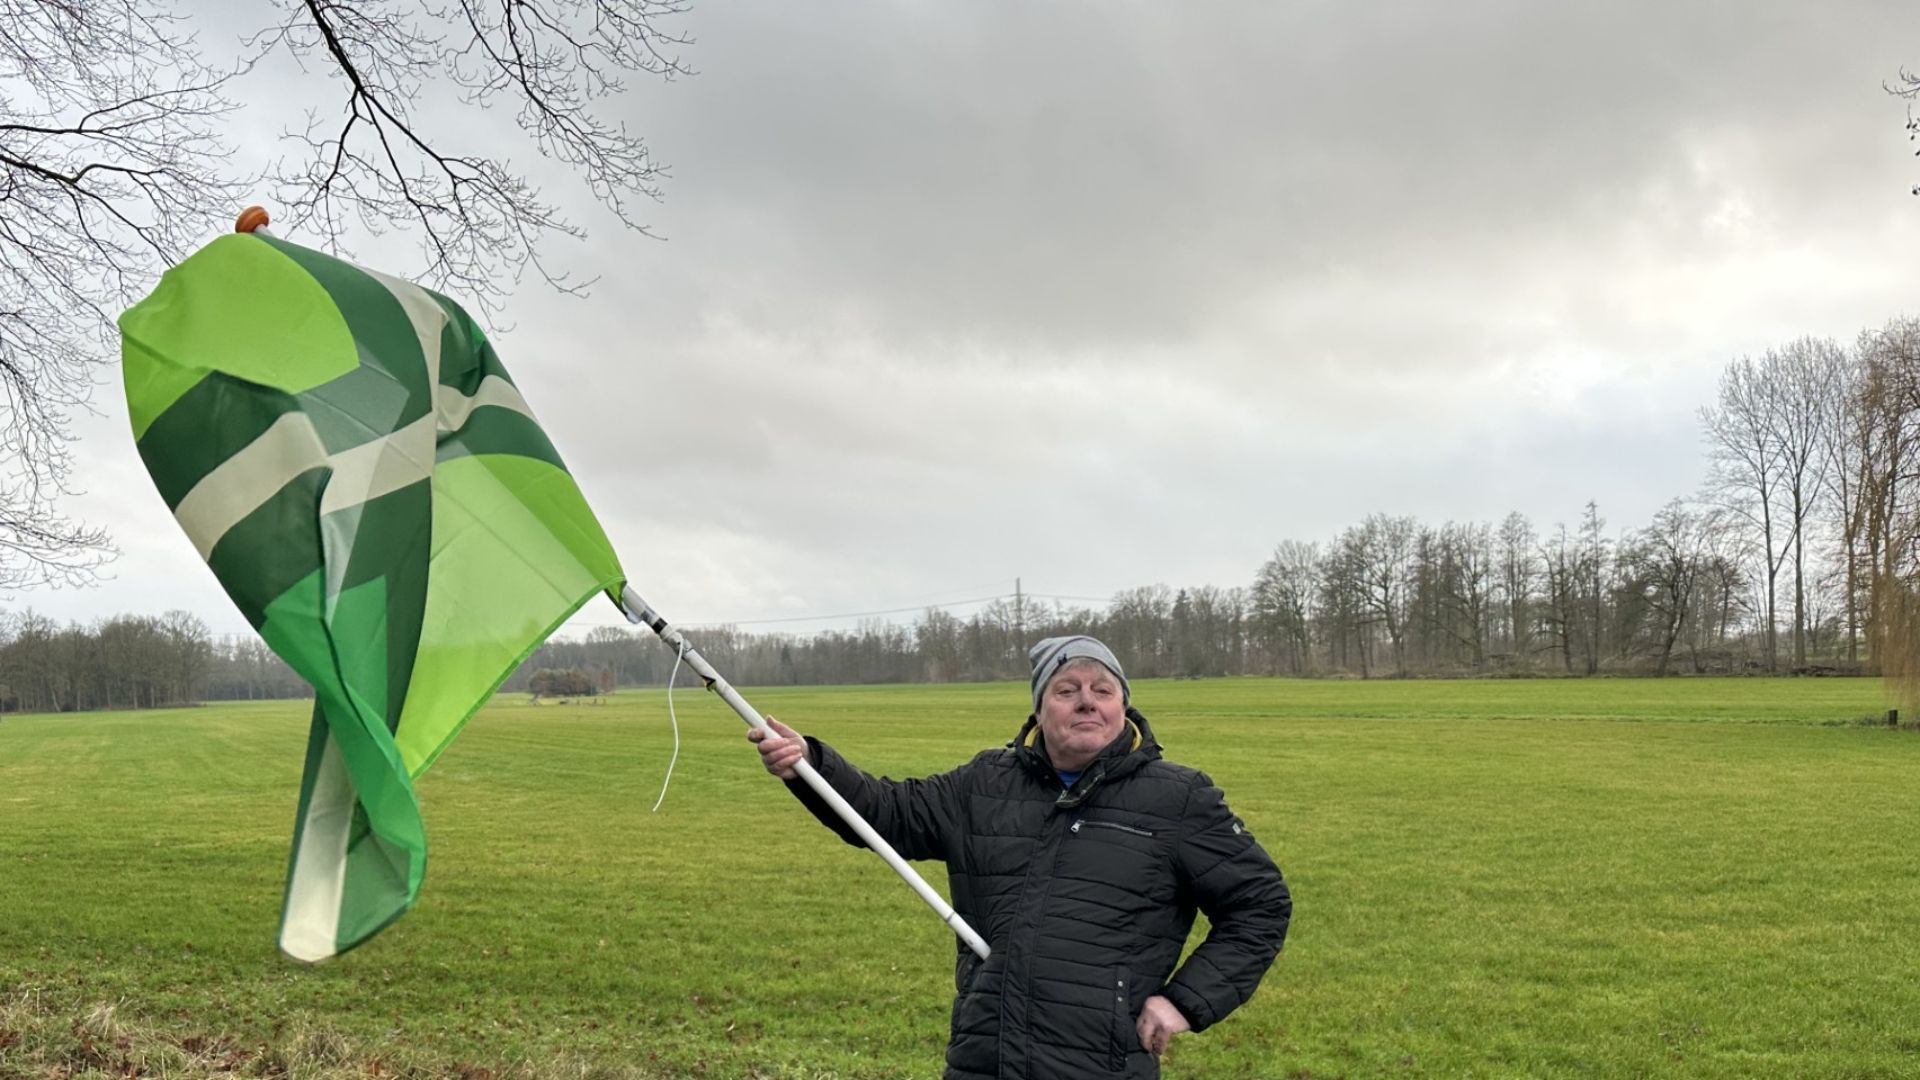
349 456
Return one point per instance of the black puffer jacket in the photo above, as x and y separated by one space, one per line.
1085 895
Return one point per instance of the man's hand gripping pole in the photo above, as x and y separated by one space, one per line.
637 611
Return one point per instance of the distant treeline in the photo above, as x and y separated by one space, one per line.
1801 554
1440 627
131 662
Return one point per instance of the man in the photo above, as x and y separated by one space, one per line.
1081 855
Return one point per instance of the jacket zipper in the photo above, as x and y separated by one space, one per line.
1077 822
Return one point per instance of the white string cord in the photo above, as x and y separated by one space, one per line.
668 779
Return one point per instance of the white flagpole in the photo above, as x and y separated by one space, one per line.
637 611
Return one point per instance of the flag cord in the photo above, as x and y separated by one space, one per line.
668 779
637 611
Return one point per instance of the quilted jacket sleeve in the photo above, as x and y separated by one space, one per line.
918 817
1234 882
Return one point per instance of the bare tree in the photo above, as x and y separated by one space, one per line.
613 651
1798 380
1590 583
1519 570
1342 606
1907 85
113 165
1383 547
26 662
1207 625
108 168
1746 476
1138 620
1891 411
1284 595
937 639
1461 581
1848 437
375 163
122 662
1719 590
1560 559
1667 557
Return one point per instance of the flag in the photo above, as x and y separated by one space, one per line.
349 456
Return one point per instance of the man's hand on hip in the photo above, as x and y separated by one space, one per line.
1159 1022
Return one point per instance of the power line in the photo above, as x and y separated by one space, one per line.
850 614
709 623
789 619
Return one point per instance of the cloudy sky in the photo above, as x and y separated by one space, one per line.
1102 295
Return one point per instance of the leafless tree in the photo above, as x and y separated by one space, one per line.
1590 583
1139 621
1667 557
1888 437
1907 85
123 662
244 669
937 639
376 164
1799 380
1284 596
1519 570
108 168
1746 475
609 648
1384 547
188 653
1848 437
1342 604
1720 584
1559 557
1461 581
114 163
1208 624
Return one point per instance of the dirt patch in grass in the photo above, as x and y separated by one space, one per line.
44 1040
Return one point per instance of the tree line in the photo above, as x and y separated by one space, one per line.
132 662
1801 553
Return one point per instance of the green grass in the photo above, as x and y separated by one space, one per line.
1506 878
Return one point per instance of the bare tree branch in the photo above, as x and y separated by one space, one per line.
113 166
1907 85
110 166
483 222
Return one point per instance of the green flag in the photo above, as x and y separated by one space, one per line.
350 457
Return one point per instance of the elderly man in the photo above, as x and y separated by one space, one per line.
1081 855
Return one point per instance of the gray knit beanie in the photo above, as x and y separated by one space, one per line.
1052 654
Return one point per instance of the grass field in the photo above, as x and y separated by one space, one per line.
1523 878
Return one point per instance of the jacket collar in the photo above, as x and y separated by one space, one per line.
1132 748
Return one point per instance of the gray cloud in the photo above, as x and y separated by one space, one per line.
1107 294
1081 175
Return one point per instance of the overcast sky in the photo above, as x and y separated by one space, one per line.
1103 295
